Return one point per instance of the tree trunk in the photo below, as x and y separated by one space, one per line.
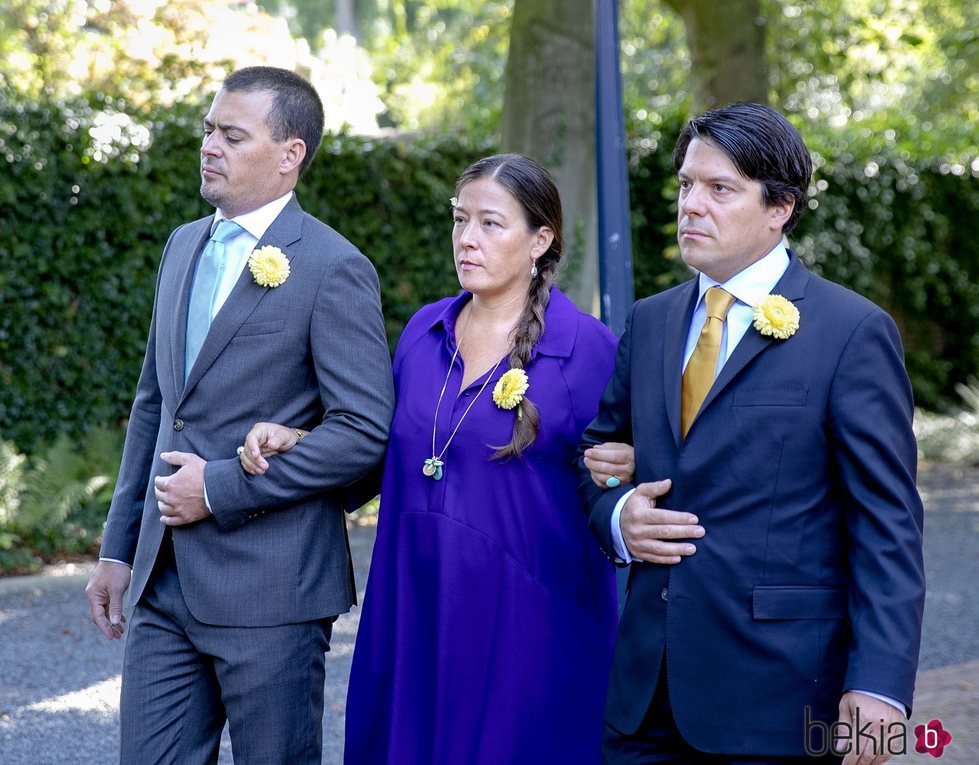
549 114
727 50
347 19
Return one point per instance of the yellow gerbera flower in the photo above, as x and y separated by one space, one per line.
776 317
269 266
510 388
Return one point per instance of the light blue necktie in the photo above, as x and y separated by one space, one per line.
210 268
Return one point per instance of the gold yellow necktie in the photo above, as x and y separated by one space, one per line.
699 374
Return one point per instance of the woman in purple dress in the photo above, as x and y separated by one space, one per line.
488 621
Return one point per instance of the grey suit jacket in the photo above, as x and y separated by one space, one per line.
310 353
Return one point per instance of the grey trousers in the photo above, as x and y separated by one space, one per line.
182 679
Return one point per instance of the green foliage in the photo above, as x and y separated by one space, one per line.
59 48
905 68
653 190
391 199
83 220
901 233
440 64
82 226
55 503
904 234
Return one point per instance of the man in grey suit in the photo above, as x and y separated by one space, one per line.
261 313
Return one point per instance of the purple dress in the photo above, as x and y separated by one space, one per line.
488 622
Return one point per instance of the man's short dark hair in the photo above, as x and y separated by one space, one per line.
297 111
762 144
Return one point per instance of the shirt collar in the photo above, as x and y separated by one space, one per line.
754 283
560 323
257 221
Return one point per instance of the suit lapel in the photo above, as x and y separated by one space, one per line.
674 343
285 231
791 286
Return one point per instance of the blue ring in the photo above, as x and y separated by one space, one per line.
612 482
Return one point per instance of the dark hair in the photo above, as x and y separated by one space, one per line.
762 144
531 185
297 111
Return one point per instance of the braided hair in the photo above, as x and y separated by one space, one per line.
531 185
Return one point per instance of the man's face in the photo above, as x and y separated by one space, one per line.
242 168
722 225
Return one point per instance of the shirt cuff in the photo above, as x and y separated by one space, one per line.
113 560
886 699
618 543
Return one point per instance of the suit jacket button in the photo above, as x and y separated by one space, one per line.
178 424
665 594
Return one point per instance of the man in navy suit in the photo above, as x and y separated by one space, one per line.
262 312
776 606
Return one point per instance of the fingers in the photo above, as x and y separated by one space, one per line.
163 505
105 593
654 489
252 465
264 440
98 611
866 722
657 534
609 457
602 471
601 478
660 552
610 460
611 451
176 458
170 514
255 439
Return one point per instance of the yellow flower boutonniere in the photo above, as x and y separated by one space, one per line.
269 266
510 389
776 317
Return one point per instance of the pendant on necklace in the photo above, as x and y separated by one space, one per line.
433 468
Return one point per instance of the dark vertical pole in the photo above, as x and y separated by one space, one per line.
614 232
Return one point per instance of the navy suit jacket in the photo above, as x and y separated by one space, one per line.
801 468
310 353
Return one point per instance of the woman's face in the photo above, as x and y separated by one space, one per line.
494 248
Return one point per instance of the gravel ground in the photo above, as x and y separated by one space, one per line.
59 679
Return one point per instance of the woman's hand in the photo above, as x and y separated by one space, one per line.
611 461
263 439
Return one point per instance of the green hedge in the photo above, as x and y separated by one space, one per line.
81 234
905 235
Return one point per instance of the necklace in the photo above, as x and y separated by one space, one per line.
432 468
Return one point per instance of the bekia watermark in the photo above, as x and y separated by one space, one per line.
841 737
872 736
932 738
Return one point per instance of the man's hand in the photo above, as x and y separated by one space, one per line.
180 496
646 528
104 592
876 723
